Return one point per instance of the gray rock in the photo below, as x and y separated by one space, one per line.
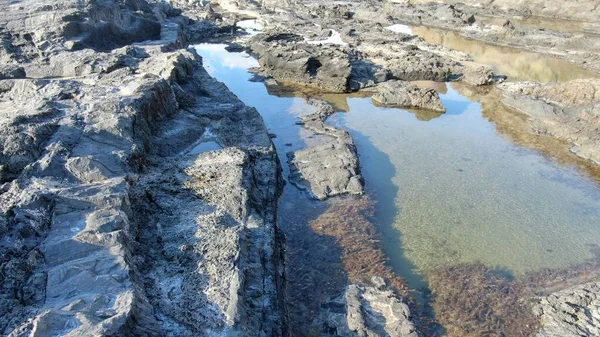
583 11
326 170
573 312
330 168
367 311
554 40
567 111
477 74
11 72
288 59
407 95
405 61
109 225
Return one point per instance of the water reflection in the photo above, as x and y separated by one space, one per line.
328 244
555 24
518 65
449 189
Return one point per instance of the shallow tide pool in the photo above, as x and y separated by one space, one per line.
463 193
449 188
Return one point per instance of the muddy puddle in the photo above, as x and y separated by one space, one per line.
449 196
518 65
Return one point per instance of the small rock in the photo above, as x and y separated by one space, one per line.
408 95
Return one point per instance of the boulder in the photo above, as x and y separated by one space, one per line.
407 95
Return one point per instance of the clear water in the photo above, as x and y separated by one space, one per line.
464 193
449 187
279 113
205 147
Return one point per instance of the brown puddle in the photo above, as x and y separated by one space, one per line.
537 22
518 65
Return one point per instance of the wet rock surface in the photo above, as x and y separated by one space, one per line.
405 94
327 169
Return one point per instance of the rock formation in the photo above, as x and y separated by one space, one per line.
109 225
407 95
569 111
330 168
571 312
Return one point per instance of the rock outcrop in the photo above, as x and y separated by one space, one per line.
111 223
569 111
407 95
582 11
469 20
367 311
288 58
571 312
328 169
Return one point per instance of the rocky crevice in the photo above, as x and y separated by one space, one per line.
109 226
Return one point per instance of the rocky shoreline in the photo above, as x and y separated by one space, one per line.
358 54
140 195
112 223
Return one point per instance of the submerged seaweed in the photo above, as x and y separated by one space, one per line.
474 300
347 220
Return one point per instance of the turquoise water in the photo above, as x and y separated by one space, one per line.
449 187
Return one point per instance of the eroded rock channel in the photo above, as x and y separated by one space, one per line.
297 168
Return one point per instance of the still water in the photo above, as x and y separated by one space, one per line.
518 65
450 188
464 193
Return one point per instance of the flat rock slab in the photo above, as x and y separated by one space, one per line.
368 311
408 95
571 312
326 170
568 111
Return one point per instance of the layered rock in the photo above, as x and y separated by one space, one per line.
569 111
288 58
571 312
109 224
35 29
328 169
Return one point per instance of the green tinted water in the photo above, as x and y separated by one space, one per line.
464 193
